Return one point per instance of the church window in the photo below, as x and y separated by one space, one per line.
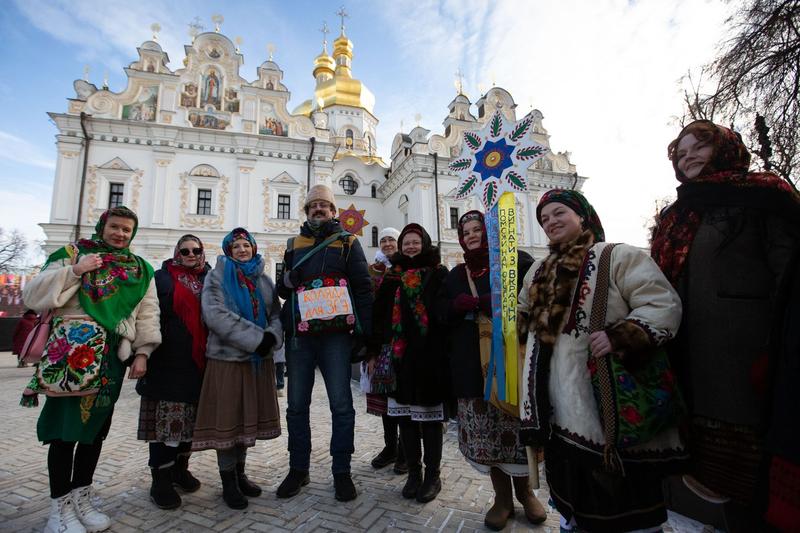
348 184
454 217
348 138
369 146
116 193
374 191
447 131
204 201
481 111
375 237
284 206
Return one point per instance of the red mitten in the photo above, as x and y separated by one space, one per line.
464 303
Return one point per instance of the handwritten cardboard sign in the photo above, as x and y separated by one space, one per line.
324 303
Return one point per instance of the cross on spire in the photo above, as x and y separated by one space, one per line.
270 50
195 28
459 81
342 14
324 30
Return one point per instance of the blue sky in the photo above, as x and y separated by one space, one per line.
604 74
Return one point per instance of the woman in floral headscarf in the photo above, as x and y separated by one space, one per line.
487 437
729 244
106 316
171 388
595 486
413 368
238 402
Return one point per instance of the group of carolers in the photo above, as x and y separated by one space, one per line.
720 293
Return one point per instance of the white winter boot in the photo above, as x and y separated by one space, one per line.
92 519
62 516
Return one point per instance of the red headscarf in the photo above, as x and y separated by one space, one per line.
187 284
723 181
477 260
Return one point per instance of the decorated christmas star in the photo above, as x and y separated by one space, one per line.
352 220
495 159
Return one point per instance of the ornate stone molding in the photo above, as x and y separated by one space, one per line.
70 155
191 220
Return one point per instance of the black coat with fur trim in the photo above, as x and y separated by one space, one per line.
423 371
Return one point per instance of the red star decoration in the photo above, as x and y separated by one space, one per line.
352 220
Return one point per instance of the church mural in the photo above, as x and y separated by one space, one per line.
211 93
269 123
189 95
231 101
209 119
144 109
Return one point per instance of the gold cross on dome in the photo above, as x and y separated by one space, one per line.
155 28
270 50
459 81
342 14
324 30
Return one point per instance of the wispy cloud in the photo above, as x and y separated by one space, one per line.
603 73
13 148
108 31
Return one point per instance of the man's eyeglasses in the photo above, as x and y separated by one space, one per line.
194 251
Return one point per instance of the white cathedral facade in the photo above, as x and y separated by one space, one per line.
203 150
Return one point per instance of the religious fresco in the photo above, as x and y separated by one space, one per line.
211 94
144 109
189 95
231 101
209 119
269 123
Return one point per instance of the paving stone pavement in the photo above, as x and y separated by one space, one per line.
122 479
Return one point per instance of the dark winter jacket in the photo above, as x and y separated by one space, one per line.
462 343
344 257
736 263
423 371
171 375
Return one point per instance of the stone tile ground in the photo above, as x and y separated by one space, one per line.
122 480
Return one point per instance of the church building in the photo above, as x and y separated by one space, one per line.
200 149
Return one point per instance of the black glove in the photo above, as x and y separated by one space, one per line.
359 351
291 279
267 343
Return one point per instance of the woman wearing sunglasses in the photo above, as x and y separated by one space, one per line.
171 387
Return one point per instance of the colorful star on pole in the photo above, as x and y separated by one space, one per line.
352 220
495 159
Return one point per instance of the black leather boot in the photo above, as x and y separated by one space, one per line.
291 484
432 442
230 490
162 493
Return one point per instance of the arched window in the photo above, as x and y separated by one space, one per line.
374 191
348 184
369 146
375 236
348 138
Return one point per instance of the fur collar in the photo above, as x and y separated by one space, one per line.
553 286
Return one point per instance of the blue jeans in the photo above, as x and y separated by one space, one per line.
331 352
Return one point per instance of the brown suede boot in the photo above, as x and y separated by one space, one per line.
534 510
503 508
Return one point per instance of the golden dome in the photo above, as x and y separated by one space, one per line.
335 84
324 64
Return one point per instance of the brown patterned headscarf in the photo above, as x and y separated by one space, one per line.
724 181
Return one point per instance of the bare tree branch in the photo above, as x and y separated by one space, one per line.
12 249
757 73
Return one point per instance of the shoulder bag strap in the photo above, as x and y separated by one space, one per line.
597 319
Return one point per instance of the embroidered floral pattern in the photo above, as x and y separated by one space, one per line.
408 297
74 356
